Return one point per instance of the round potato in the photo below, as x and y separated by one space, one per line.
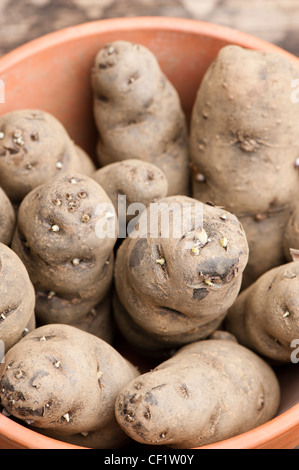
138 182
174 286
68 256
64 382
35 147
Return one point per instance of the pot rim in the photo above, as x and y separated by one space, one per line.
152 23
268 434
264 436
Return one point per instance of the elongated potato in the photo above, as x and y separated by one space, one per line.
64 382
17 299
265 316
35 147
208 391
244 146
57 238
138 113
174 286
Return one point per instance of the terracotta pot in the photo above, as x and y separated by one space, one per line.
53 73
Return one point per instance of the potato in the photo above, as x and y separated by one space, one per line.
199 396
58 239
265 234
138 113
63 382
265 317
140 182
17 299
35 147
291 233
84 163
244 144
223 335
99 321
175 286
7 219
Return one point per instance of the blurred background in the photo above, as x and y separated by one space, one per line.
273 20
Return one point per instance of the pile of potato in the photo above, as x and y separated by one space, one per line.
213 304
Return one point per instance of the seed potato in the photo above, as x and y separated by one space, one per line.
171 290
63 382
17 299
265 316
208 391
35 147
244 147
138 113
7 218
70 265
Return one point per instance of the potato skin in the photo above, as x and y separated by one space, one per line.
291 233
243 145
71 268
17 298
35 148
265 234
138 113
223 335
139 181
209 384
252 122
265 317
161 306
7 218
99 321
63 382
83 163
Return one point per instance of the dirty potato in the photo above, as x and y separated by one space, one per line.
244 147
198 396
68 381
138 113
265 315
174 286
17 300
7 218
35 147
132 182
68 257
